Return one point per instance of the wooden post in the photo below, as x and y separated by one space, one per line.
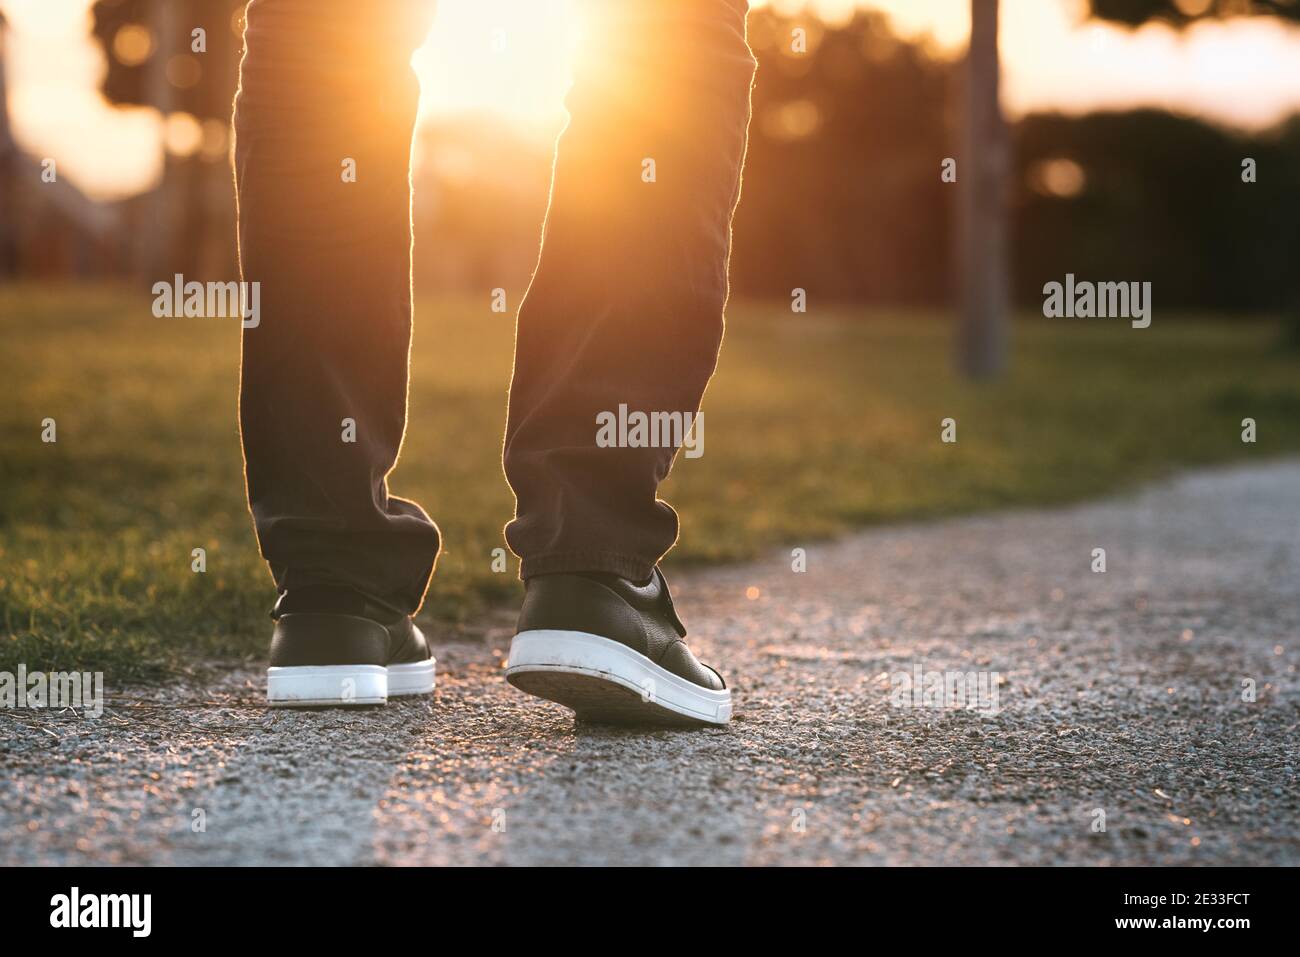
981 175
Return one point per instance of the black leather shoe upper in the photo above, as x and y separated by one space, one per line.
336 627
639 616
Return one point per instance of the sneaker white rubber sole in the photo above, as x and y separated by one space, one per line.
305 686
605 680
309 685
414 678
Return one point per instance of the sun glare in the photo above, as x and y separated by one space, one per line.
508 58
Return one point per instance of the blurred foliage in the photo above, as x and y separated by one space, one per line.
1160 198
842 192
1268 223
142 39
1181 12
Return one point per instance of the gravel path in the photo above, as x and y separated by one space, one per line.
1119 694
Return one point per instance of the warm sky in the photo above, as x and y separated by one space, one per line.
1242 72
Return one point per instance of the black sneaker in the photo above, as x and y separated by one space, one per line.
612 650
339 648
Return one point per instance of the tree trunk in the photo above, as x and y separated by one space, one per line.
156 237
981 175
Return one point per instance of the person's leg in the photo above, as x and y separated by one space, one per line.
323 124
626 304
323 118
625 309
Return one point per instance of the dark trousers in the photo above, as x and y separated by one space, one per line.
625 306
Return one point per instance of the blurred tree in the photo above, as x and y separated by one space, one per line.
180 57
840 194
1180 13
157 58
1124 196
982 183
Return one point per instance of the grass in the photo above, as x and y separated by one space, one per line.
815 424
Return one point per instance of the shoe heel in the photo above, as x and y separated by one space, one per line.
304 686
411 678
